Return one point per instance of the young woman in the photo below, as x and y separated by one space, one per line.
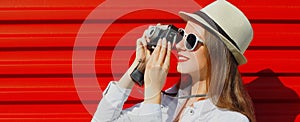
211 89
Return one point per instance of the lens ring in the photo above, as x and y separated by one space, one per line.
180 35
181 31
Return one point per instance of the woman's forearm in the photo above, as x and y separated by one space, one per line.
126 81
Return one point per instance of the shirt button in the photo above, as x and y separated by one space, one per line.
191 111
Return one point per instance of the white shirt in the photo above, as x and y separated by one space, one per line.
110 109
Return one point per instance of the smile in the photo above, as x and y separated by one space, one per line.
182 58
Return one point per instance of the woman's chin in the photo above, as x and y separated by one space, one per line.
181 68
186 68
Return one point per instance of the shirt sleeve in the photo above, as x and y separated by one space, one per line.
110 107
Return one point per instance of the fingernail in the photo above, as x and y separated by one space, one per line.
169 45
164 42
159 42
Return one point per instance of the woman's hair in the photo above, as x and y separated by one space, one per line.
224 83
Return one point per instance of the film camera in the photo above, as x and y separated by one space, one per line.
170 32
154 33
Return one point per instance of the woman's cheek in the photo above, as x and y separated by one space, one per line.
188 66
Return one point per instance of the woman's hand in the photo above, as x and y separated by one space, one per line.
142 55
156 71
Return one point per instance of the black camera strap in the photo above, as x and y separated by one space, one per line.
137 75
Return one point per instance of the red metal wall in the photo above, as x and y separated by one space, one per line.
36 47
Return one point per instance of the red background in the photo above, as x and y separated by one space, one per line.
36 44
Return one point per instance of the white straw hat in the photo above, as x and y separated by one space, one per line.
227 22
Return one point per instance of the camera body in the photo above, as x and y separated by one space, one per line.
154 33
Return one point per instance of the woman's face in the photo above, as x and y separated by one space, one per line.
191 62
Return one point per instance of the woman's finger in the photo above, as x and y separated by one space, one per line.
147 38
139 48
156 51
166 64
162 53
144 46
139 42
144 41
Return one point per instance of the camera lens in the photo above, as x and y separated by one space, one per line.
180 35
151 32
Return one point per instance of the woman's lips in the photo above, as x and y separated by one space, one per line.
182 58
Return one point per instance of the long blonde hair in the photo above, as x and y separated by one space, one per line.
224 83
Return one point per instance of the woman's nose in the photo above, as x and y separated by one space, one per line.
180 45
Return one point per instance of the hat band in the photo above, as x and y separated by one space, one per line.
215 26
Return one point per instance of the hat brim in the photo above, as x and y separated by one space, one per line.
240 58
